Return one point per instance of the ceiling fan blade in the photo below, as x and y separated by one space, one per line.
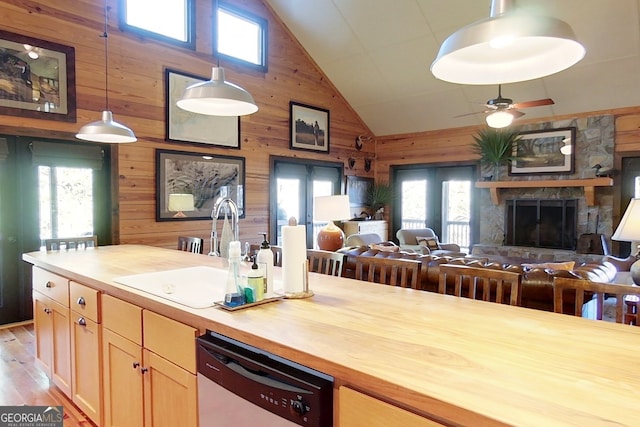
516 114
537 103
470 114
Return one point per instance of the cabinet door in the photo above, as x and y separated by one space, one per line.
359 410
86 366
170 393
43 326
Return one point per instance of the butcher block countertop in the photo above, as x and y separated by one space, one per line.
455 360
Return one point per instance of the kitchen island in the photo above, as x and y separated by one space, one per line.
451 360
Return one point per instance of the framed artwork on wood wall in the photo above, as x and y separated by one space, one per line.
549 151
199 177
185 126
309 127
38 78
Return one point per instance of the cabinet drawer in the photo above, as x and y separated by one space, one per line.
172 340
84 300
122 318
50 284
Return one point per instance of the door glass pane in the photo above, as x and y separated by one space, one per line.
320 188
413 203
66 202
456 213
288 193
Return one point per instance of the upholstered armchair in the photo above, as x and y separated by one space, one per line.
425 241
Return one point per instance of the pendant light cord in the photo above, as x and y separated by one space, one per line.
105 35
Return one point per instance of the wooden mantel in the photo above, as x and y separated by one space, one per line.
588 184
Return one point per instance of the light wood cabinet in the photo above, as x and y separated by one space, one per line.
365 227
360 410
153 359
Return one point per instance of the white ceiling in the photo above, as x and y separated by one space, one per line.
377 53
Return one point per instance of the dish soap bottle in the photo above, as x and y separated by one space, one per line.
255 280
234 294
265 261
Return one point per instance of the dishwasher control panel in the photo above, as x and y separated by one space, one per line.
283 387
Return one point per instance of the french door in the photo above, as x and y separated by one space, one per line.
294 185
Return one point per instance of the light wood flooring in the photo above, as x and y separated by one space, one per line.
22 382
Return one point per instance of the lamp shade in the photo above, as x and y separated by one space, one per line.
506 48
329 208
106 130
499 119
217 97
629 228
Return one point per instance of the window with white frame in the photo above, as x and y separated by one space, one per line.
167 20
241 36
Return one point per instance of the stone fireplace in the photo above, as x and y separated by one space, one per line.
594 144
541 223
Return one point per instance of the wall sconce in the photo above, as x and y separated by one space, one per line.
351 162
367 165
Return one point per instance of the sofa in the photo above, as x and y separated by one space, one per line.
425 241
537 280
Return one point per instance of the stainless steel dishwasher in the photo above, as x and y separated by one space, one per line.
240 385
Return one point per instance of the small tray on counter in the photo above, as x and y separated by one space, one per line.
220 304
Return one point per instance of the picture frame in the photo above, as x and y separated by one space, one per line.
309 127
205 176
187 127
358 189
544 152
39 78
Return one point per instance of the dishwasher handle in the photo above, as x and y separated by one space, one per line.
270 382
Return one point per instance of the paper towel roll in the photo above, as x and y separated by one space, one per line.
294 257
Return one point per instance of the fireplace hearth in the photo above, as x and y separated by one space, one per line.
542 223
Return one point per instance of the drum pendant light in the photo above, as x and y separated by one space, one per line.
507 47
106 130
217 97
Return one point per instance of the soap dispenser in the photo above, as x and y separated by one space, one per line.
255 280
265 261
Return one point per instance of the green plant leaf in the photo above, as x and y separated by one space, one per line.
495 146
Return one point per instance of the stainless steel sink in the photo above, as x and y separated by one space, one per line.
195 287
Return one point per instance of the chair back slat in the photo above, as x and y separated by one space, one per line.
190 244
325 262
68 243
389 271
502 287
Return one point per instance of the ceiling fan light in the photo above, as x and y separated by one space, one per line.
499 119
217 97
508 48
106 130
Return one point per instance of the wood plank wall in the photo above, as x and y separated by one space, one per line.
136 97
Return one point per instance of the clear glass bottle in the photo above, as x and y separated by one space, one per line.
234 293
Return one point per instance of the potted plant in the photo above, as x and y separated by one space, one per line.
495 147
379 195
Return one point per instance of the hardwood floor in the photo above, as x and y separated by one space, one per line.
22 382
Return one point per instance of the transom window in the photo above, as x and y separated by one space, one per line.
241 36
167 20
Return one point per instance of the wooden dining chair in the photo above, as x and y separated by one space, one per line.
325 262
389 271
627 298
69 243
277 253
190 244
503 287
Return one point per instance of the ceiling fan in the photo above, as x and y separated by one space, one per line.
502 110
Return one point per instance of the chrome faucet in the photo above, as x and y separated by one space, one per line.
230 205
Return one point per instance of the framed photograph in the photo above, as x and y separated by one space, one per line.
188 184
309 127
357 190
185 126
37 78
544 152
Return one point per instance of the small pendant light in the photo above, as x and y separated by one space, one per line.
106 130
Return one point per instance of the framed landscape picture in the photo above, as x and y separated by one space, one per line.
203 176
309 127
37 78
185 126
550 151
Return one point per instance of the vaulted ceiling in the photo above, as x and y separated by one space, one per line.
377 53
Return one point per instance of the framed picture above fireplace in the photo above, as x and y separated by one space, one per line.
549 151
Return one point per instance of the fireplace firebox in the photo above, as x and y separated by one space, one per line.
542 223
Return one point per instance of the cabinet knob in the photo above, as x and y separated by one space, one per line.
82 322
49 284
136 365
81 301
143 370
46 310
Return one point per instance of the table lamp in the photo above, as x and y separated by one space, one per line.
629 231
330 208
180 203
